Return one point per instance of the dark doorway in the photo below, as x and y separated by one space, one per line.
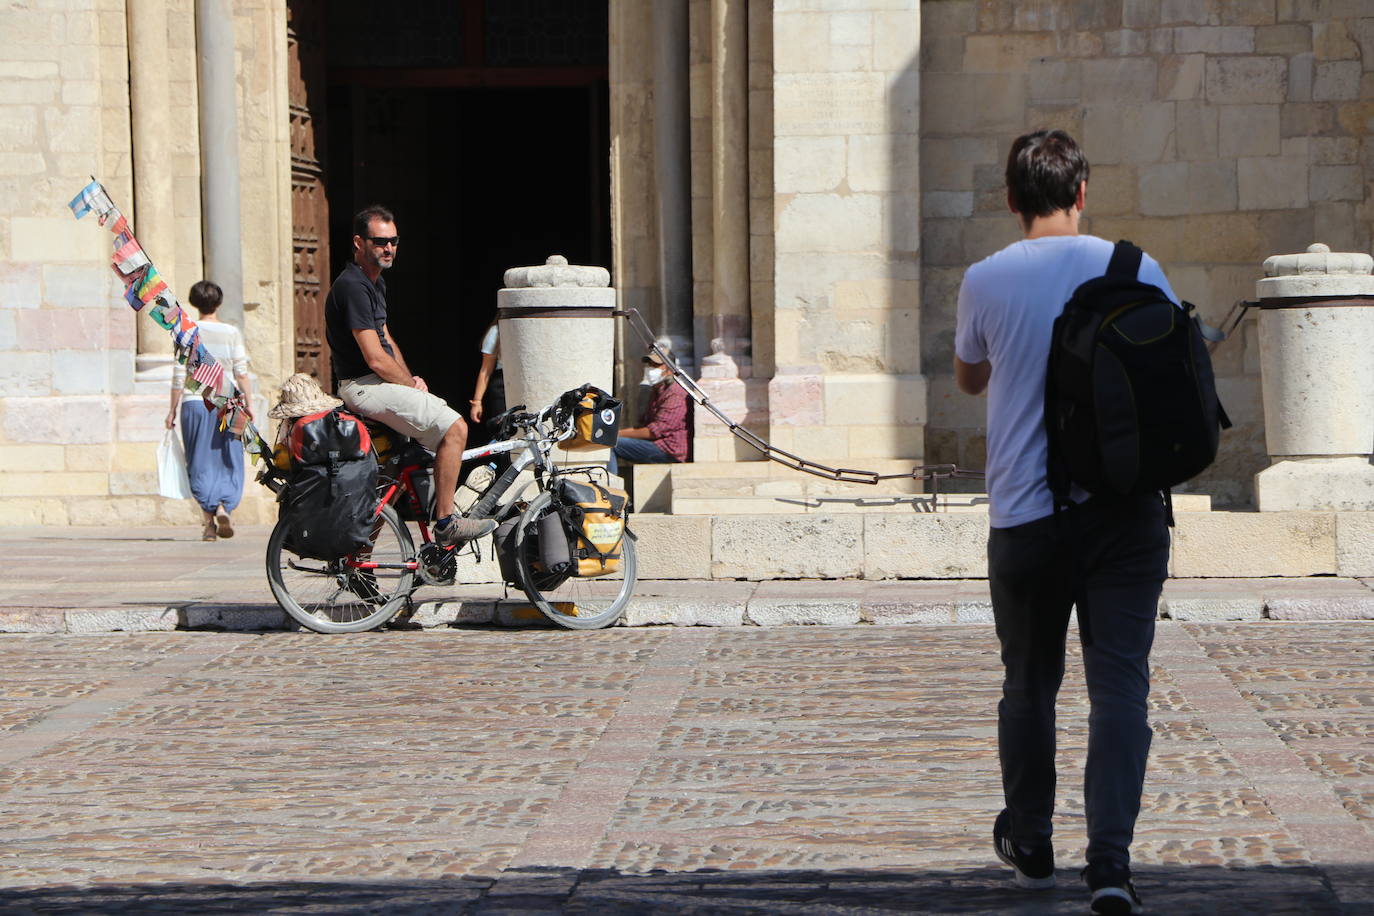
492 150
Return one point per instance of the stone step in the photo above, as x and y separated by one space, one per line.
803 503
657 486
779 500
711 469
953 545
769 488
798 485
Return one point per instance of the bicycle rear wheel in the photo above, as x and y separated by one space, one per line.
332 596
578 604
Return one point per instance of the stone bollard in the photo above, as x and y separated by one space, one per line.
557 332
1317 366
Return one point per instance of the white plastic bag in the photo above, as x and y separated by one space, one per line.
172 480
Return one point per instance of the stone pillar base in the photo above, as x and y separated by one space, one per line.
849 417
744 400
1342 484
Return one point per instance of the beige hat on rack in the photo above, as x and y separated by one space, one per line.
302 395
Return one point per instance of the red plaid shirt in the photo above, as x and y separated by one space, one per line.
665 416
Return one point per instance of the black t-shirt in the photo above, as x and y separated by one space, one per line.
353 302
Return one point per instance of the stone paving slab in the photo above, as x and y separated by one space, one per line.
816 769
142 579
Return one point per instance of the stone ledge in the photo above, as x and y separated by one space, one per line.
846 602
1202 609
684 612
1321 607
772 612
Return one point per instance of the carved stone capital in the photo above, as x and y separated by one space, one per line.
557 272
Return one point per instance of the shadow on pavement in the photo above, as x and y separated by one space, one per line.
1166 890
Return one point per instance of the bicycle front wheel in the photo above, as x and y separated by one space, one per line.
341 596
578 604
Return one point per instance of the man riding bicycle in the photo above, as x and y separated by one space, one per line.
373 378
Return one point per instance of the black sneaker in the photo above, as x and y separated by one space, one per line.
455 530
1034 868
1113 892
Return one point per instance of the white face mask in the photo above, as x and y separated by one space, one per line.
652 375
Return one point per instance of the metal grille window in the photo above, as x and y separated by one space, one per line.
422 33
546 33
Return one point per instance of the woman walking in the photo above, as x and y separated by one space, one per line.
214 459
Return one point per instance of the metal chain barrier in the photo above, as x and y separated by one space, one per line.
1230 323
934 473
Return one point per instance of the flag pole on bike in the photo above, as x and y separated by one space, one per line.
145 286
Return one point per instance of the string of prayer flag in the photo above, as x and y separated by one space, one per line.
130 258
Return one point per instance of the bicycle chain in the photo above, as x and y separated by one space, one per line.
933 473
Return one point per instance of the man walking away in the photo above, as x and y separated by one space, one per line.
1106 557
373 377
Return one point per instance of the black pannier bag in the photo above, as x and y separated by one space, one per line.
547 548
330 502
1130 400
421 508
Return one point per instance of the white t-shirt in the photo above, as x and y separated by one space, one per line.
225 344
1007 306
491 344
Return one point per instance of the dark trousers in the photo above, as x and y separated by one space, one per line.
1110 560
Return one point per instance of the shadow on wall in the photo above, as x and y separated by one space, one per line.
1176 889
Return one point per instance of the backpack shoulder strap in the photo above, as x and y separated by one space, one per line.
1125 260
1056 473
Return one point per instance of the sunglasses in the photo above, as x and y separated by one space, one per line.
381 241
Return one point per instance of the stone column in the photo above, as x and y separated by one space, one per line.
672 177
557 333
847 384
722 339
219 150
1317 371
728 321
151 126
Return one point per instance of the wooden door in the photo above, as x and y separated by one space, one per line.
305 32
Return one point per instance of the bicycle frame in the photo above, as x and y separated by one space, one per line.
533 452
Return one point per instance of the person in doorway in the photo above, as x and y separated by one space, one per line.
1106 557
489 393
661 436
214 459
372 375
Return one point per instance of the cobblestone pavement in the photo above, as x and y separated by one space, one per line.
653 770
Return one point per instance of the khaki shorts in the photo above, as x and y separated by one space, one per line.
418 414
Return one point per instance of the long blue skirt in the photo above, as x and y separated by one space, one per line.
214 459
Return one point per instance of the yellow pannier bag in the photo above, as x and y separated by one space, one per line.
596 419
595 516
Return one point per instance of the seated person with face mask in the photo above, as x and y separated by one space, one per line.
661 436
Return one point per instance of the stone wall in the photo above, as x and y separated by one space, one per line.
1219 133
66 339
78 431
634 217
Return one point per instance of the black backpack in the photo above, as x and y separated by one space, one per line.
1130 401
330 502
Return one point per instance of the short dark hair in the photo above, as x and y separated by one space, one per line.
1044 170
206 296
367 214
